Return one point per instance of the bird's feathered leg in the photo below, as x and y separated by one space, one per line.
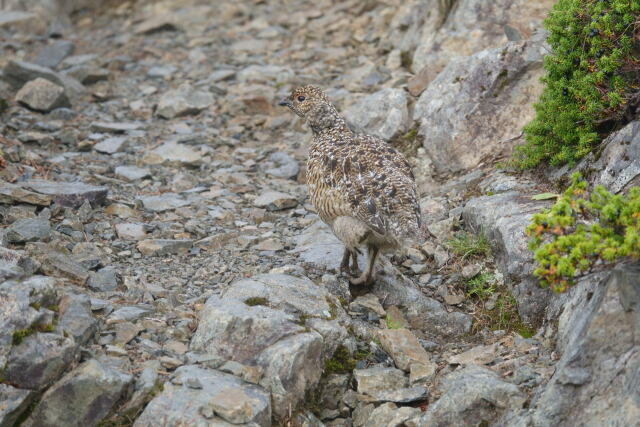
366 278
354 262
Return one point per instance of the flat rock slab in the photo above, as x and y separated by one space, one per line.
82 397
131 231
111 145
204 397
132 173
10 17
42 95
68 194
161 247
275 201
403 346
173 152
183 101
13 402
28 230
377 380
114 127
52 55
11 193
480 355
163 202
291 294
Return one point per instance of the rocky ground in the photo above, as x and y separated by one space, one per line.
161 264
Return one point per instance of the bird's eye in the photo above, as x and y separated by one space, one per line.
301 98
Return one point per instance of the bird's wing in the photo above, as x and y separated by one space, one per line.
378 184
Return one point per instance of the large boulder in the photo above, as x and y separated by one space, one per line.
83 397
595 381
383 114
472 396
460 28
283 324
203 397
475 109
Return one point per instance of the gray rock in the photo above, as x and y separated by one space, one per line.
222 399
103 280
275 201
132 173
60 264
403 346
293 295
281 165
471 396
83 397
28 230
14 17
388 414
127 314
163 202
39 360
161 71
114 127
87 75
68 194
478 105
42 95
587 366
453 29
384 114
618 164
503 219
14 264
173 153
18 312
292 367
131 231
236 331
51 56
183 101
17 73
334 387
76 319
378 380
265 74
147 383
162 247
15 402
11 193
111 145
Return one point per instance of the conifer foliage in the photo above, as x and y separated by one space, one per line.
592 80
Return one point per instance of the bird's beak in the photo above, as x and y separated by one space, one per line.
285 102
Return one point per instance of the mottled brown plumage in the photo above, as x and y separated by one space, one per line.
361 186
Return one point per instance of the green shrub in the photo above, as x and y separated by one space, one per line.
592 81
582 231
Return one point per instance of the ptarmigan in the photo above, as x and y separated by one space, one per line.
361 186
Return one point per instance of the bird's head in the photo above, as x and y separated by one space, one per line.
311 103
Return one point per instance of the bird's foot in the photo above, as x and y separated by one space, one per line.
364 279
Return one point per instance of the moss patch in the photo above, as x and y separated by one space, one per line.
253 301
340 363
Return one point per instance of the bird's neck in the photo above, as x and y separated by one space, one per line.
327 120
